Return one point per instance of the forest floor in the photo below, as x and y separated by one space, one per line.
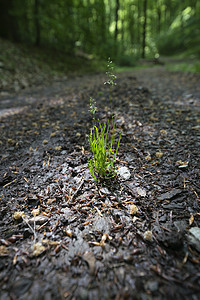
134 237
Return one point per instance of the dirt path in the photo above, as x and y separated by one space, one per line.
136 237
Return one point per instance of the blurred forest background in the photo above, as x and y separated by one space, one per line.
125 30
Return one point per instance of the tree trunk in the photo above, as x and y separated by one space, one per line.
8 22
138 27
131 28
116 19
103 21
37 23
144 29
159 19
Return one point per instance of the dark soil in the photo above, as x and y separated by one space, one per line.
90 241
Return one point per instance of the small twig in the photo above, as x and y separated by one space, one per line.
100 214
9 183
76 192
42 226
32 229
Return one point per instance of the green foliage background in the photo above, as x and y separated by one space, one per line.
122 29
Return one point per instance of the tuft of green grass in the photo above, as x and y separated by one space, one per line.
103 154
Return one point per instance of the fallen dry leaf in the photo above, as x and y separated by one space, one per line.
181 163
191 220
35 212
18 215
103 239
58 148
37 249
50 243
3 250
163 131
148 157
15 260
133 209
53 134
69 233
159 154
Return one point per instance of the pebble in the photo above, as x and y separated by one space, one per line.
124 173
193 237
151 285
105 191
169 195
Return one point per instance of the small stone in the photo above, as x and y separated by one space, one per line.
105 191
90 259
141 192
63 152
102 224
151 285
180 225
169 195
193 237
124 173
148 236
